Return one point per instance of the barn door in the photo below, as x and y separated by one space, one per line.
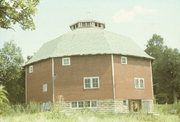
134 105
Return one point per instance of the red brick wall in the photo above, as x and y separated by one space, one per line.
124 78
69 79
42 73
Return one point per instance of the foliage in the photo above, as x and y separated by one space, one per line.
166 70
17 11
4 102
80 116
11 72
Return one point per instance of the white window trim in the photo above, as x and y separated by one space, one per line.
68 58
125 59
45 87
84 104
31 69
127 103
139 83
91 83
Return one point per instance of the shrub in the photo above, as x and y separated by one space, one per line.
4 102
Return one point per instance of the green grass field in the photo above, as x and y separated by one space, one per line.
32 113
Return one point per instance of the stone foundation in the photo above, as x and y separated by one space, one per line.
113 106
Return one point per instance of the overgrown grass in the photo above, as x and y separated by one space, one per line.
33 113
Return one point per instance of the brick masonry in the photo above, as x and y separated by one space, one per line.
69 80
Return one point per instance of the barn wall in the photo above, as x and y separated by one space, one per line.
42 73
69 79
124 78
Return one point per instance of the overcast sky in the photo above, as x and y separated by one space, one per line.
137 19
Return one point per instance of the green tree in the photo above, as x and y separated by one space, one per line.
11 72
17 11
166 70
4 102
170 73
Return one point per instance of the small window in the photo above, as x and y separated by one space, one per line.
93 103
87 83
31 69
87 104
125 102
45 87
96 24
80 104
74 104
95 82
139 82
91 82
123 60
66 61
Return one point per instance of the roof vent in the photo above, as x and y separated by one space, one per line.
87 24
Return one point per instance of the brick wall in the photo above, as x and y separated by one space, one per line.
69 79
124 78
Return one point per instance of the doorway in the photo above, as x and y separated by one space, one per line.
134 105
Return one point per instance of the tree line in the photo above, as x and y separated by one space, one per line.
166 70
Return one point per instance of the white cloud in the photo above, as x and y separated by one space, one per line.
129 15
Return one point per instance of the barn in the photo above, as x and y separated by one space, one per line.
91 68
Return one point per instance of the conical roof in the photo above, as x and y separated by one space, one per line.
88 41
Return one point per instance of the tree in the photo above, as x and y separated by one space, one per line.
170 73
17 11
11 72
166 70
3 99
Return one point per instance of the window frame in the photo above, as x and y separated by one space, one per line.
91 82
126 59
63 61
139 83
30 69
125 103
45 87
84 104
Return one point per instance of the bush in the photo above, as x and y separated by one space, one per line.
4 102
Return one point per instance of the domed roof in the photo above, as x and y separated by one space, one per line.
88 41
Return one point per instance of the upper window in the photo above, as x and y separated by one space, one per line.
31 69
91 82
123 60
66 61
45 87
139 82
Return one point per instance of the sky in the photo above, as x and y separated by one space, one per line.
137 19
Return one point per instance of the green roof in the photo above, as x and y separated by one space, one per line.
88 41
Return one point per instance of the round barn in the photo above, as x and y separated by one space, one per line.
91 67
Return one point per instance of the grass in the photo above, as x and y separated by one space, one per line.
32 113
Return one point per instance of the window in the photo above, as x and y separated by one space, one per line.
87 83
139 82
87 103
66 61
93 103
125 102
82 104
74 104
123 60
45 88
31 69
91 82
96 24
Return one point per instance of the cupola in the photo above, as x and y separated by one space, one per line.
87 24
